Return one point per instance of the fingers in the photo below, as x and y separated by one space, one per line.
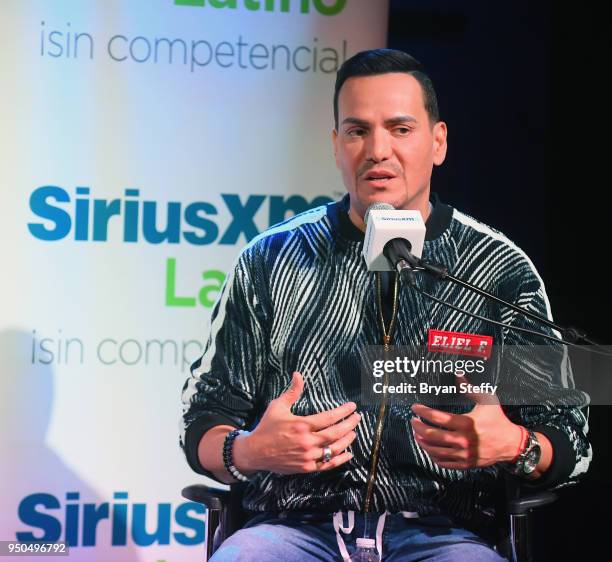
438 455
338 430
339 453
451 458
438 437
292 394
325 419
438 417
311 460
337 437
485 398
336 447
334 462
450 454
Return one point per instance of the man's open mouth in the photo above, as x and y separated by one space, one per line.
375 175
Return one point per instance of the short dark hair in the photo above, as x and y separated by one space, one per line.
383 61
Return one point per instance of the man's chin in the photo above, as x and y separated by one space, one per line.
379 195
368 195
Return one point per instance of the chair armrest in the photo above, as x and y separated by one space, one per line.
520 499
527 502
211 496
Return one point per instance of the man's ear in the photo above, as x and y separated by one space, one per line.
335 143
439 142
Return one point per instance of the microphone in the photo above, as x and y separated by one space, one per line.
393 240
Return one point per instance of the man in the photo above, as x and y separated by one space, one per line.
299 305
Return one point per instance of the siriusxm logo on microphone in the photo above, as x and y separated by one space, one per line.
51 520
87 219
386 224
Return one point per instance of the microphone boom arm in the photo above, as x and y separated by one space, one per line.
573 334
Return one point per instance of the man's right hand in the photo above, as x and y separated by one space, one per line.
288 444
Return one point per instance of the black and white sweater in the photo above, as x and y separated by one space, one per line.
301 299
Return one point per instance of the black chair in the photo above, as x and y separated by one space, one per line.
226 514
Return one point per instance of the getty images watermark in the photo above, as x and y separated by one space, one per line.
550 375
407 367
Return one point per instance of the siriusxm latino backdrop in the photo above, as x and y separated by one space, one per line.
143 144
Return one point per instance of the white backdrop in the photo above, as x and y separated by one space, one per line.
143 143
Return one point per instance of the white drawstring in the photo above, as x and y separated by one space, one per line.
379 531
339 526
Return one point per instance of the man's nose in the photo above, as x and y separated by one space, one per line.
378 147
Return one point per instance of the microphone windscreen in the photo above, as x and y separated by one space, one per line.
377 207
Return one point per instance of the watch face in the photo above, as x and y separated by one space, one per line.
531 460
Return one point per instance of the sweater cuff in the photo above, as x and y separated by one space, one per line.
194 434
563 459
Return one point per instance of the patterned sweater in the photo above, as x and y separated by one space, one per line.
300 298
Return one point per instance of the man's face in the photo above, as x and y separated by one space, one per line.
385 145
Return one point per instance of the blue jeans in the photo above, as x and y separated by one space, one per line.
272 537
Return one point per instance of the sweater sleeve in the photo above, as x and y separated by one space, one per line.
547 367
223 386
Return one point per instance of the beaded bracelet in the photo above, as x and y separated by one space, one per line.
228 460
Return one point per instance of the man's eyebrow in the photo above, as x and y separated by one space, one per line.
400 119
355 121
391 121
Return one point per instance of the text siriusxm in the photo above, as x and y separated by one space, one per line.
131 220
78 523
409 219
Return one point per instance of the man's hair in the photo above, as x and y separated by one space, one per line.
383 61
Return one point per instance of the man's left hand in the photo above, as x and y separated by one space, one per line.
482 437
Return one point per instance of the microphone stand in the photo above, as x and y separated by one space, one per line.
573 335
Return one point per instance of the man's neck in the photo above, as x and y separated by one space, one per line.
356 219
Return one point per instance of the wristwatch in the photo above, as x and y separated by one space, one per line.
528 458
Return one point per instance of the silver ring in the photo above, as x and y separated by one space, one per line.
327 454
